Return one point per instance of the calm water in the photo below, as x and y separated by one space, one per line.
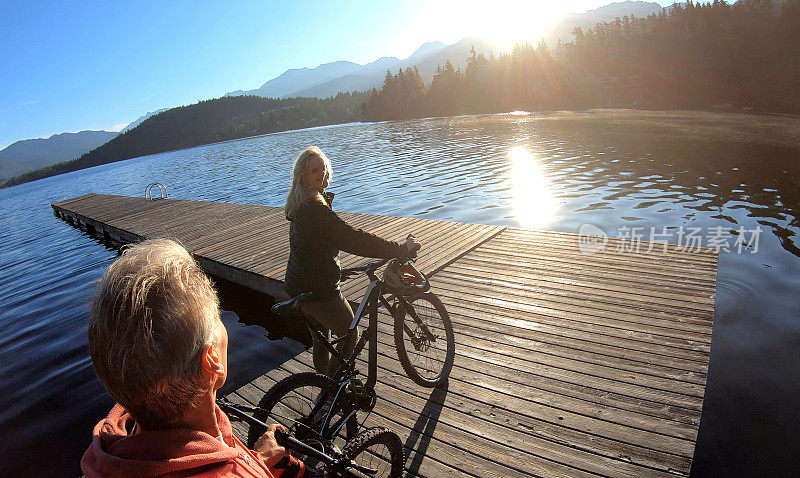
521 171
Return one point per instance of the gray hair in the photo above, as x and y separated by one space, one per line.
300 192
153 313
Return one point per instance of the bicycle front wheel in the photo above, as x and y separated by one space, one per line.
300 402
378 449
424 339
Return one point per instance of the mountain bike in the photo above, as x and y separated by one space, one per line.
323 409
375 452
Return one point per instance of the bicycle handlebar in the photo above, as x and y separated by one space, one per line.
291 443
367 268
281 437
371 267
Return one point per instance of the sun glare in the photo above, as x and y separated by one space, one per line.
505 22
510 22
533 200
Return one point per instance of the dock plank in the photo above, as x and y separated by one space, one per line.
567 364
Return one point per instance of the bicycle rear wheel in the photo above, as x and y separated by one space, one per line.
424 339
378 449
300 403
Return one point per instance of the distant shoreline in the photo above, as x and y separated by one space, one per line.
4 186
781 130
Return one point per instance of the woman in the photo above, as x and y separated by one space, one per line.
317 234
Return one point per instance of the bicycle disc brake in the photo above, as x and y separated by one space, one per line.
363 398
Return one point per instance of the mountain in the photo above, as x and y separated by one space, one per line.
339 76
613 10
30 154
563 27
456 53
141 119
295 79
331 78
428 48
210 121
426 58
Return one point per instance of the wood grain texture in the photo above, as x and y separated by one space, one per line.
566 364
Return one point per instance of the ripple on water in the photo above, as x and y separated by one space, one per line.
445 168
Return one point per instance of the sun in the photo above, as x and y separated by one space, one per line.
504 22
510 22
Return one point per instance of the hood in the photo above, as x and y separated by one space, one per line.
328 196
115 452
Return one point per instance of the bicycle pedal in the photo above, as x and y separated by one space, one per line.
357 387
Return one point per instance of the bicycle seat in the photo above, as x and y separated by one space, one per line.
291 304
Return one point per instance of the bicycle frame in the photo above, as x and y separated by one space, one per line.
285 440
373 297
374 291
347 368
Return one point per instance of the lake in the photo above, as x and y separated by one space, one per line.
730 181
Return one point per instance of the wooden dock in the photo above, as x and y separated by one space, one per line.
566 364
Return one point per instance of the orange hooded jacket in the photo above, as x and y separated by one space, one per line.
174 452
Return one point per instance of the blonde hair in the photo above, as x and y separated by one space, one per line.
153 314
301 193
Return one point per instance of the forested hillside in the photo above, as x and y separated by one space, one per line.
739 57
31 154
211 121
736 57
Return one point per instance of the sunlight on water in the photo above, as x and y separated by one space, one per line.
555 172
533 201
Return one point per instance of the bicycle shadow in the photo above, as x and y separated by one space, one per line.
422 431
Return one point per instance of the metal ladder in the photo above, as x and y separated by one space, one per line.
162 190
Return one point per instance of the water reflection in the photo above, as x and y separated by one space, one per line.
534 205
552 171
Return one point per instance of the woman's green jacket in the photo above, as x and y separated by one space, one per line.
316 236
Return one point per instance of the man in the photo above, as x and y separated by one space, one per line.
159 347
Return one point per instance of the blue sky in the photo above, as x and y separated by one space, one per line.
99 65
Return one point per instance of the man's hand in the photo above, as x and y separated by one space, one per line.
268 448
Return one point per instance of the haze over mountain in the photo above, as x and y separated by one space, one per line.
342 76
426 59
305 81
323 81
30 154
298 78
563 27
141 119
